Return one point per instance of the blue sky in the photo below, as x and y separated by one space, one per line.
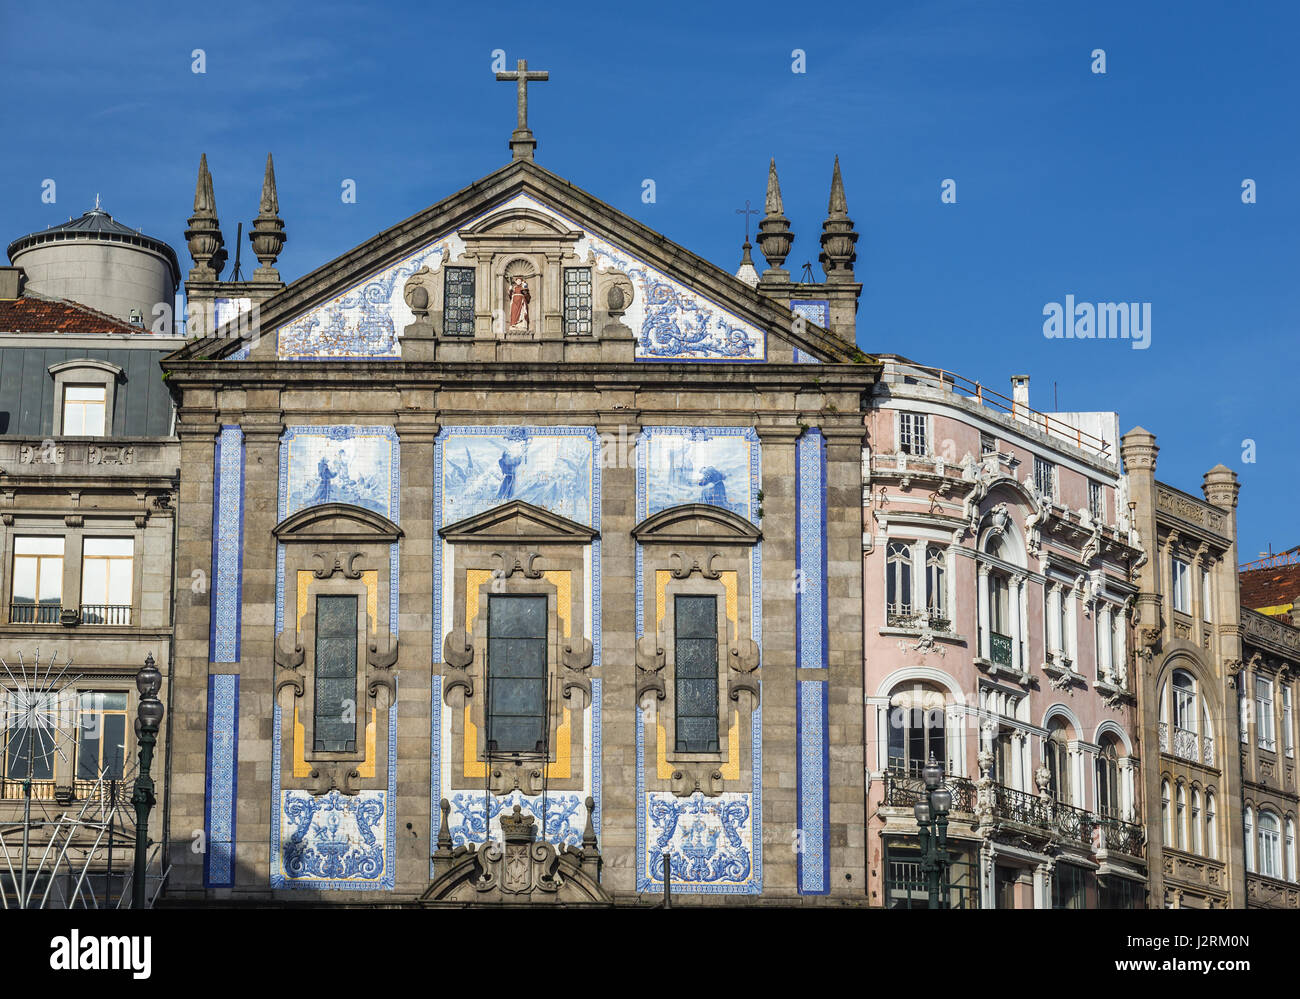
1124 186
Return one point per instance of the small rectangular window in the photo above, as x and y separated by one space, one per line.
912 434
988 445
1182 579
83 410
458 301
1096 502
696 673
336 674
1264 713
577 300
30 723
101 735
517 627
1045 478
107 575
37 595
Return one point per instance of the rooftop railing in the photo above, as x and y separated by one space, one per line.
950 381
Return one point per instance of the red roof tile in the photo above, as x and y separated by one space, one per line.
48 315
1274 586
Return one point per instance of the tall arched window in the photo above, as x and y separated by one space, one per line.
1270 845
1108 795
1180 819
1194 821
916 729
1250 839
1184 701
1056 757
1165 817
1211 828
898 583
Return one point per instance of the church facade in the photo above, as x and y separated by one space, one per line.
534 547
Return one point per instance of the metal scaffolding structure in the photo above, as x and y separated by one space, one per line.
66 841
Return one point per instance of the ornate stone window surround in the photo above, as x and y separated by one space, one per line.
336 549
84 371
699 548
516 550
918 533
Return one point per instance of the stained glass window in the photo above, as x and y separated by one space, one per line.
458 301
577 300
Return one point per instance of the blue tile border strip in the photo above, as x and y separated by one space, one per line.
811 635
754 886
813 790
227 546
221 791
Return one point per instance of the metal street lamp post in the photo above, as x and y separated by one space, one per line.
149 716
932 828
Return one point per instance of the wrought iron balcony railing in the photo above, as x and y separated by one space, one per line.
1123 837
904 790
1042 813
1000 648
23 612
105 613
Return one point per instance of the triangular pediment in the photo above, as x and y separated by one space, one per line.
336 522
684 308
696 522
521 522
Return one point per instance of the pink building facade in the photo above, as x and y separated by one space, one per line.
998 548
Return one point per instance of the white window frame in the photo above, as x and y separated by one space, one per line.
1270 845
900 579
84 371
1266 737
1248 821
1181 584
1211 827
1044 469
937 603
1096 501
914 433
1288 722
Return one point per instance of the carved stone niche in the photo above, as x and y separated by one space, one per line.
699 550
336 549
518 549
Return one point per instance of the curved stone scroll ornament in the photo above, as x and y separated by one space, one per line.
685 563
521 562
337 562
288 666
650 661
743 659
576 658
457 654
379 675
687 780
327 777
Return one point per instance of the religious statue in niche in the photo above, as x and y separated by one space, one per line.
520 296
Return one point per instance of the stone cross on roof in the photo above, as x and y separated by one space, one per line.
522 142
